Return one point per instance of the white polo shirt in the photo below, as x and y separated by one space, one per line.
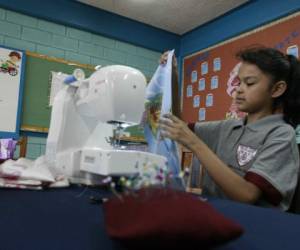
264 153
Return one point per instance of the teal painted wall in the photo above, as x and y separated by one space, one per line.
36 147
36 35
81 16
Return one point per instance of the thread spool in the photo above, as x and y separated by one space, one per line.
78 75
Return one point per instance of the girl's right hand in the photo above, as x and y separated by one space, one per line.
175 129
164 57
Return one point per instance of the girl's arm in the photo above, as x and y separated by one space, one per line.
233 185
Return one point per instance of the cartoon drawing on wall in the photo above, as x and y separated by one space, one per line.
204 68
293 50
201 84
196 101
189 91
202 112
232 83
214 82
209 100
217 64
194 76
10 65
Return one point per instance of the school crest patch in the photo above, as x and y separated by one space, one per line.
245 154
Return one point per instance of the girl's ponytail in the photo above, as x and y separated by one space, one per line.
291 103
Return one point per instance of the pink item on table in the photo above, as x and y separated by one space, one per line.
7 148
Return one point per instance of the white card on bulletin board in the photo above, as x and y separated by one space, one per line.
189 91
196 101
214 82
217 64
201 85
202 114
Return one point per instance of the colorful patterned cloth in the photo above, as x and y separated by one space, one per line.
159 102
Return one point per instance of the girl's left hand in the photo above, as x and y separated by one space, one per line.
175 129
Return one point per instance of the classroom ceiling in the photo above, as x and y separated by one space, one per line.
177 16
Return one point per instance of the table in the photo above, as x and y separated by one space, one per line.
63 219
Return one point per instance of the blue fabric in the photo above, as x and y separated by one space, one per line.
63 219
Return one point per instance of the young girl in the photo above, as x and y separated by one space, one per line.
254 160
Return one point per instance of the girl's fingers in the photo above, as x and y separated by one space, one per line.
166 122
170 129
173 118
173 133
168 134
164 133
164 57
162 61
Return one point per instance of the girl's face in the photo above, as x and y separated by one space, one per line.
253 94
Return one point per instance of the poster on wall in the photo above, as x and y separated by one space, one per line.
12 63
219 69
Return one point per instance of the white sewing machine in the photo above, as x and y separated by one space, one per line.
87 117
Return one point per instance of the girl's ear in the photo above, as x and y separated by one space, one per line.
278 89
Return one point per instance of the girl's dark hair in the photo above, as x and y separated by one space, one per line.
279 67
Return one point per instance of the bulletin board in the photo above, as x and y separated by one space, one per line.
36 112
12 64
209 76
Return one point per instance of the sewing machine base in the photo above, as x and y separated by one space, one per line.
117 162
